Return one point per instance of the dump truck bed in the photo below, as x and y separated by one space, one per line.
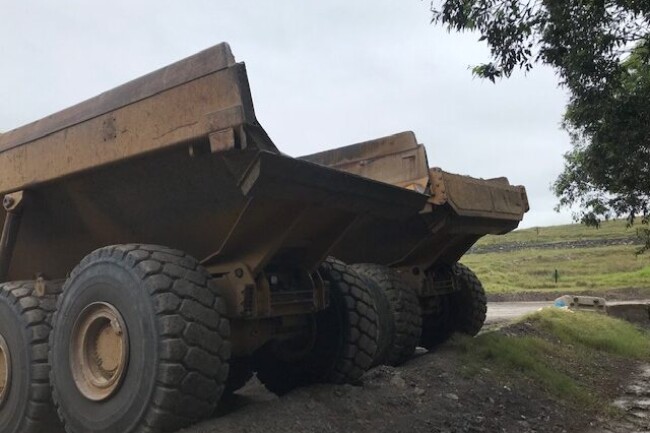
177 158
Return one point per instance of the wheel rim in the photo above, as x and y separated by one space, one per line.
99 351
5 370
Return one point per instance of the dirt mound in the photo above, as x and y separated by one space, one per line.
427 394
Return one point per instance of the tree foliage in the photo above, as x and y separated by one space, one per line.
600 50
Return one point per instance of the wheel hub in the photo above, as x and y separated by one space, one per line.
5 370
99 351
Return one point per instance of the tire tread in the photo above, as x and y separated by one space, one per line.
35 314
184 357
404 306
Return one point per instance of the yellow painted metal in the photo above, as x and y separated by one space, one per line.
99 351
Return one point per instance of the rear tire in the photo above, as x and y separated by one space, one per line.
172 338
463 311
25 397
404 313
439 325
471 300
345 337
385 321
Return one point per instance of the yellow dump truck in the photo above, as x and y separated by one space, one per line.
422 252
157 248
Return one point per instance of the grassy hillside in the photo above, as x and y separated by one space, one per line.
564 352
616 229
532 264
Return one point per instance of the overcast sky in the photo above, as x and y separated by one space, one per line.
323 75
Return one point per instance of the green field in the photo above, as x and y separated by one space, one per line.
594 268
616 229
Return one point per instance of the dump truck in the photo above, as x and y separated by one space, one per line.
422 252
157 249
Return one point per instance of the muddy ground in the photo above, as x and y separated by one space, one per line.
432 393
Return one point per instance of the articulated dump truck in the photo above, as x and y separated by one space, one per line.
158 250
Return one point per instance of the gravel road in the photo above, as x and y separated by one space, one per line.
502 311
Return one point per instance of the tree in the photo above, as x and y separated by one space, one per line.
608 170
601 52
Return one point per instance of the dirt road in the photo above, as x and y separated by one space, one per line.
503 311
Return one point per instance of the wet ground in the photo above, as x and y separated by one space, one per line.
504 311
634 404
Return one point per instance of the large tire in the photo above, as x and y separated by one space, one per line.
385 320
25 399
471 301
463 311
405 315
176 361
345 337
439 325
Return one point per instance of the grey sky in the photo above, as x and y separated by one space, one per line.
323 75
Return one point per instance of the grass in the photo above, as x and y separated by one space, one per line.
594 332
615 229
527 356
555 343
533 269
600 268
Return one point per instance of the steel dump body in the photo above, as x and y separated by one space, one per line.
177 158
460 209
